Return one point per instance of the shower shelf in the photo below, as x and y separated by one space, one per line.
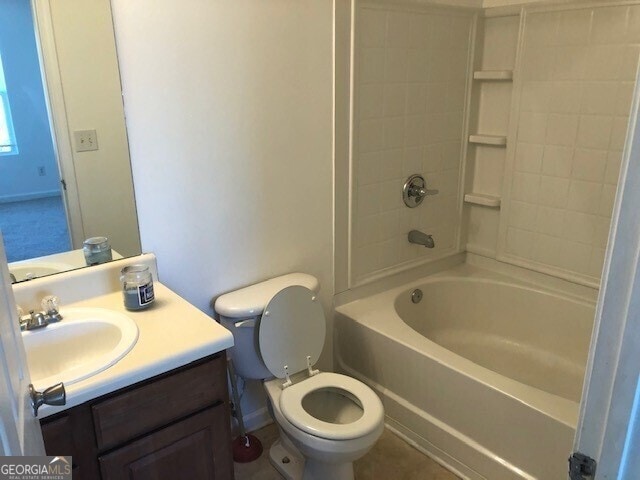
483 199
499 75
494 140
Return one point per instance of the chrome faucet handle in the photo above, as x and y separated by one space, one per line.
414 191
22 318
422 192
51 306
13 278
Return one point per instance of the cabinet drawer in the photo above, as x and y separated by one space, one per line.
160 402
196 448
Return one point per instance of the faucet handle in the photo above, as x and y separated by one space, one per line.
51 306
22 318
415 190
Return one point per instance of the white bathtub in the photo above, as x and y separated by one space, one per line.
484 373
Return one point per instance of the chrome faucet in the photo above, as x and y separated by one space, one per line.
419 238
13 278
34 320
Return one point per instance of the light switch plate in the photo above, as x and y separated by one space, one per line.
86 140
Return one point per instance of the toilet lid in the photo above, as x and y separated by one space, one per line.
292 327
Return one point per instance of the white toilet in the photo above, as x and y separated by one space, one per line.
326 420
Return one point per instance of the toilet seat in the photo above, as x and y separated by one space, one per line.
292 409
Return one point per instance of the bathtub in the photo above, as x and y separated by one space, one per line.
484 373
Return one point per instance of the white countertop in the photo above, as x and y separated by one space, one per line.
172 333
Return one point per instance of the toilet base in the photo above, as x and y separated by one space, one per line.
314 470
293 467
278 455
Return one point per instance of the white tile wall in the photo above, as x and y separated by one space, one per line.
577 73
485 165
411 74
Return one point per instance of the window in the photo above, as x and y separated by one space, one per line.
8 145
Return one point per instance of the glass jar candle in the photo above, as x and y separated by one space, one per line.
96 250
137 287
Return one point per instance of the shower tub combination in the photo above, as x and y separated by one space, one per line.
484 373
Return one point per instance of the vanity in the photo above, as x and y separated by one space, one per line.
160 411
175 425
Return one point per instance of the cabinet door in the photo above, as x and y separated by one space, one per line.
196 448
72 434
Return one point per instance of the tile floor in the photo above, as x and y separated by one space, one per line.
390 459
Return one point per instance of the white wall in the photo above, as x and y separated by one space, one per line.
229 113
496 50
411 73
576 74
19 176
91 83
572 114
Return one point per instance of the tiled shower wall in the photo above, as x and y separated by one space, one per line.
410 91
577 69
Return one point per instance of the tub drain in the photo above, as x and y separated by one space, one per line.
416 295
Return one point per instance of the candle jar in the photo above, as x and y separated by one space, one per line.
96 250
137 287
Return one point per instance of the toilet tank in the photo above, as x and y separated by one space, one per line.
240 312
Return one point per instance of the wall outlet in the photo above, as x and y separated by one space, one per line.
86 140
42 172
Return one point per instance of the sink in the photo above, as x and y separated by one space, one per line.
29 270
86 342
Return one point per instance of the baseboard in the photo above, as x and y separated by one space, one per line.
23 197
256 420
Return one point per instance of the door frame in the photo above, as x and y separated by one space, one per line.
613 368
60 132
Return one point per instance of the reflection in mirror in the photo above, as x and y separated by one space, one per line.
64 162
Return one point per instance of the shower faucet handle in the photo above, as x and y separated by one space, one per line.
421 192
414 191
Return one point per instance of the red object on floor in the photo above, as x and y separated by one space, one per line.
246 449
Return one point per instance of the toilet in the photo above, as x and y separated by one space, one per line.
326 420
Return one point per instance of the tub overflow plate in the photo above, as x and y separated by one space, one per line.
416 295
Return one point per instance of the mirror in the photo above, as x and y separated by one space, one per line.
65 173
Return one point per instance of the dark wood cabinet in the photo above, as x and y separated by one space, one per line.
172 426
187 449
71 433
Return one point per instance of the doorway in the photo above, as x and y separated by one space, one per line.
33 215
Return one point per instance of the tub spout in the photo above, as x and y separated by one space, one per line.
419 238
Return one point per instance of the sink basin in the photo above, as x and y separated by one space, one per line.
86 342
30 270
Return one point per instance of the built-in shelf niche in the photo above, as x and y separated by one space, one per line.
484 199
493 140
493 75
